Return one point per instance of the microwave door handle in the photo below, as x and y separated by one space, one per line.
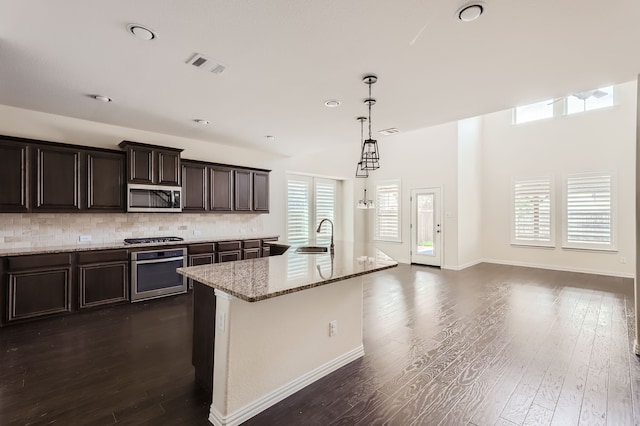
171 259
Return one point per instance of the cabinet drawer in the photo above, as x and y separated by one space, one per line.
103 256
248 244
201 248
266 251
38 261
228 245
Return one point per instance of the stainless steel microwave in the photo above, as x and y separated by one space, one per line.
154 198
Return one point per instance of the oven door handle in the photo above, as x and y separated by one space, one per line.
143 262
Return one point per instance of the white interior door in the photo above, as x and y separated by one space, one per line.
426 228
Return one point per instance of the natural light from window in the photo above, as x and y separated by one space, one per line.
590 100
533 112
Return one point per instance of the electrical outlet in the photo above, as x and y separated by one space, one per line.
85 238
197 232
333 328
623 260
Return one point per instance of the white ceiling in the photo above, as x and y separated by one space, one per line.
286 57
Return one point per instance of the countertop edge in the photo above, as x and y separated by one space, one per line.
121 246
288 291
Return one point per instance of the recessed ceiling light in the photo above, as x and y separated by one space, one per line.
470 12
270 138
141 32
332 103
201 121
102 98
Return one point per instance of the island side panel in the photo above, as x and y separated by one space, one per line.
204 311
272 348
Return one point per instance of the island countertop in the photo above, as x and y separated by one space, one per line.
253 280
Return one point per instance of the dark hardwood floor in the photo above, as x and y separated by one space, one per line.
490 345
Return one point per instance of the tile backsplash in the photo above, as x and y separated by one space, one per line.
31 230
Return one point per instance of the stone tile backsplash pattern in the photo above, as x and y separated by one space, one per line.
31 230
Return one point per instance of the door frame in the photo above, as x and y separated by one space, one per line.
439 209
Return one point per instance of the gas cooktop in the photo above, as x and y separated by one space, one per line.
151 240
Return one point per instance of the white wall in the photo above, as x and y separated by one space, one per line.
469 192
599 140
421 159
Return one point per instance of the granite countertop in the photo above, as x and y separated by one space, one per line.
121 245
253 280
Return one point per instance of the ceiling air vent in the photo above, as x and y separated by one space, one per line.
207 64
389 131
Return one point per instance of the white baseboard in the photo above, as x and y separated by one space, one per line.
561 268
277 395
463 266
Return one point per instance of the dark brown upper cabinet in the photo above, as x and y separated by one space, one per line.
261 191
221 188
243 190
194 186
57 178
14 175
105 181
151 164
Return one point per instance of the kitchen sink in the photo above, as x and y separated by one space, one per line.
312 249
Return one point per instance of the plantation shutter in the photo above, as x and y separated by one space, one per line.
532 212
387 221
589 207
325 202
298 209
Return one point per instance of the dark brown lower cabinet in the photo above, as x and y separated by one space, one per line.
38 286
103 278
228 256
266 251
251 253
103 284
204 329
200 259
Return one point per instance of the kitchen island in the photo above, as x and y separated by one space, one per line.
272 326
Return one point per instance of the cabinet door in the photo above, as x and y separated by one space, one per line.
14 170
221 188
194 187
105 181
261 191
200 259
103 284
168 167
141 167
34 293
57 179
243 190
252 253
228 256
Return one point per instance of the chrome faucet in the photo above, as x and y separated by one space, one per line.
320 226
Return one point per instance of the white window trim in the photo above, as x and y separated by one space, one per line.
313 216
607 247
375 194
533 243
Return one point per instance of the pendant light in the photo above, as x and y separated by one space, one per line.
360 172
370 158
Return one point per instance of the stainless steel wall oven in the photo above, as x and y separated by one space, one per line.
153 273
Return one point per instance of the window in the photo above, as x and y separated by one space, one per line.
387 220
533 212
589 211
532 112
309 200
590 100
